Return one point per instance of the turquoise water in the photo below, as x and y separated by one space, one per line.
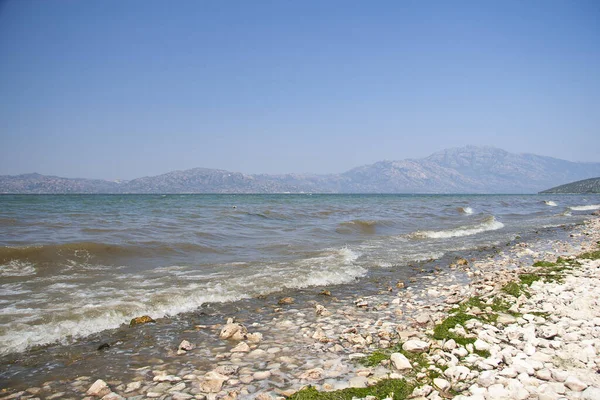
73 265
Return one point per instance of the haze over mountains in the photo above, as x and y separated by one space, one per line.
467 169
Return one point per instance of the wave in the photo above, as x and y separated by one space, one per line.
550 203
71 321
17 268
465 210
586 208
90 250
490 224
368 227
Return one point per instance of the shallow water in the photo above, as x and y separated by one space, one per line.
72 266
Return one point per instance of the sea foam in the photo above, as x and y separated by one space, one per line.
490 224
586 208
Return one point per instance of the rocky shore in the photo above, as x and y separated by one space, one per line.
525 326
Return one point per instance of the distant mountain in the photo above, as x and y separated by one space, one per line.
44 184
584 186
460 170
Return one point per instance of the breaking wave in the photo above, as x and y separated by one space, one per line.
490 224
586 208
550 203
465 210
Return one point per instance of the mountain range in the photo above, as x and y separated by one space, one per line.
467 169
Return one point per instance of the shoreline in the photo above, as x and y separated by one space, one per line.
319 343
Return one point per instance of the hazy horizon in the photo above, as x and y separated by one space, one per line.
121 90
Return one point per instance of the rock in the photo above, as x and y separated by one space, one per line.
358 382
497 391
442 384
181 396
422 391
104 346
481 345
313 374
462 261
286 301
400 362
575 384
505 319
458 373
144 319
486 378
591 393
450 345
415 346
547 332
254 337
320 336
543 374
133 386
186 346
261 375
321 311
423 318
166 378
211 385
233 331
242 347
110 396
361 303
98 388
325 293
227 369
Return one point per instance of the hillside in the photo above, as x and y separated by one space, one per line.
460 170
585 186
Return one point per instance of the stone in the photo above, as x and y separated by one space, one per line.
422 391
321 311
313 374
543 374
548 332
233 331
227 369
462 261
415 346
110 396
144 319
261 375
400 362
358 382
450 345
458 373
441 384
422 318
286 301
591 393
186 346
573 383
211 385
254 337
481 345
497 391
242 347
133 386
98 388
166 378
505 319
486 378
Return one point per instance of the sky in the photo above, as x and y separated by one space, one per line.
122 89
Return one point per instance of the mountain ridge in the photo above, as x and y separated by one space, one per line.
591 185
468 169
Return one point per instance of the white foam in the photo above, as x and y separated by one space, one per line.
550 203
468 210
586 208
489 225
17 268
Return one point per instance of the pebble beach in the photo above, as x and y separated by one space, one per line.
524 325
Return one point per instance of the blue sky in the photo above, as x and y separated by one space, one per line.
122 89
